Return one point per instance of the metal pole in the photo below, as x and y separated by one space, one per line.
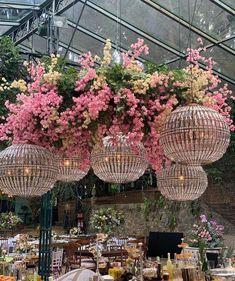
44 267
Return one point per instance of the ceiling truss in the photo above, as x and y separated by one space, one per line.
29 25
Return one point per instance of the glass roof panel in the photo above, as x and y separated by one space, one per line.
22 2
225 62
204 15
4 29
7 14
230 43
151 22
82 42
36 44
105 27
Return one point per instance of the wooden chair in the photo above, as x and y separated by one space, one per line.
71 258
120 255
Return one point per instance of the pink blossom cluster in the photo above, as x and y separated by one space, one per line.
82 83
208 231
219 93
87 61
137 49
218 228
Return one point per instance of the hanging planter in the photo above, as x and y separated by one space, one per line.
70 169
27 170
182 182
194 134
70 112
118 161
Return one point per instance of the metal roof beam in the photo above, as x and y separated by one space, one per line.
9 23
6 5
32 23
224 6
206 47
101 39
151 38
134 29
97 37
188 25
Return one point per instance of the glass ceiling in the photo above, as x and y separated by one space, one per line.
167 26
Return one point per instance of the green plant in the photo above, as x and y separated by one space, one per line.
195 207
11 61
9 220
105 220
147 208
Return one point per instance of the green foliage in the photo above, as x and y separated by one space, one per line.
117 76
195 208
171 209
224 169
9 220
66 86
147 208
114 188
106 220
10 59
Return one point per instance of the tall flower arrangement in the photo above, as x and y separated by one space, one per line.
105 220
68 111
207 233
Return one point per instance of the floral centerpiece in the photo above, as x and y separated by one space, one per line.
68 111
23 245
74 231
106 220
207 233
9 221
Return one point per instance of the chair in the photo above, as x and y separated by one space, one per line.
195 254
71 259
85 262
56 264
4 243
120 256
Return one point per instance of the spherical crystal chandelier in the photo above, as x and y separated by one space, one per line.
27 170
70 169
182 182
118 161
194 134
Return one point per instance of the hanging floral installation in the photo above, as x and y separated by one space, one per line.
68 111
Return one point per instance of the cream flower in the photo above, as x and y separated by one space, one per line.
19 84
107 55
52 77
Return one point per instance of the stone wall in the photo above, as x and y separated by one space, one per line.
164 218
137 222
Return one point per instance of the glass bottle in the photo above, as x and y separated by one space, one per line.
169 266
159 269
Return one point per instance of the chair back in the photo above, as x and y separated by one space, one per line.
57 258
195 254
4 243
71 251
